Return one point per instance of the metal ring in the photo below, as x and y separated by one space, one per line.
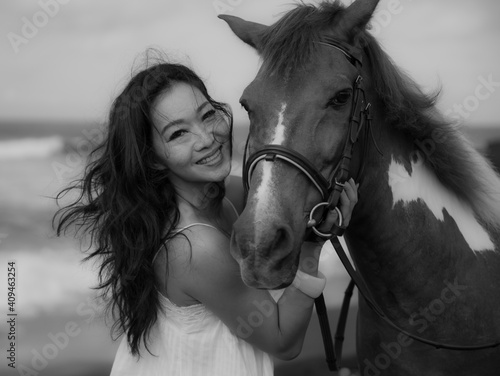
315 230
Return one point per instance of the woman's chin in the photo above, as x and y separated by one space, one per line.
224 170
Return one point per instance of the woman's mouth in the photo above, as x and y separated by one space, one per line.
213 158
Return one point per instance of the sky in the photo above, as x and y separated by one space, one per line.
79 54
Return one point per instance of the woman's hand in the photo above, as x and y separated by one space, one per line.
309 255
348 199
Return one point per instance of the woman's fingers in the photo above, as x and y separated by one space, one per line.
348 199
345 208
330 220
351 189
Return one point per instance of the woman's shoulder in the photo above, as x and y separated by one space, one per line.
190 252
235 192
200 251
197 242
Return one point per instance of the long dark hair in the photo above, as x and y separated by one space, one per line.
127 205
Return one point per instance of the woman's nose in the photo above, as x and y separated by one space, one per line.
205 137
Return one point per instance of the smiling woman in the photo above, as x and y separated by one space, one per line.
194 144
159 209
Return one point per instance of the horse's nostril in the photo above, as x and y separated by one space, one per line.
282 240
268 244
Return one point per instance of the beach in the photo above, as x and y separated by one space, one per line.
60 328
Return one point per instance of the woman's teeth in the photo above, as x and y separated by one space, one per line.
212 158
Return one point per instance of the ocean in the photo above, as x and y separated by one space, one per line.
53 287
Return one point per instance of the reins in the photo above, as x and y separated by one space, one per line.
330 190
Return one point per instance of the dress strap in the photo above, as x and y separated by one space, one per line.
230 203
191 225
198 224
182 229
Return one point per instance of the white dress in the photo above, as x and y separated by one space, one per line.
192 341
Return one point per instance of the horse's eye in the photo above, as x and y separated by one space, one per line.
340 99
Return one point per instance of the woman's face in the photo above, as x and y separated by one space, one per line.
191 138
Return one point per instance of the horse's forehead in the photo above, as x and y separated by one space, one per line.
270 92
300 84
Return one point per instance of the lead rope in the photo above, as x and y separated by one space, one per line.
333 352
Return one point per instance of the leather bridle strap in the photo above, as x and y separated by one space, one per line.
272 152
360 113
352 53
365 292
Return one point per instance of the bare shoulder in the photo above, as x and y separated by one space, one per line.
235 192
210 254
190 260
197 251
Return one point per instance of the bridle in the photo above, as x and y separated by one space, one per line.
330 190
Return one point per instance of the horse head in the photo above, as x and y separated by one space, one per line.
301 100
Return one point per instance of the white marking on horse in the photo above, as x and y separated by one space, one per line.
424 185
265 191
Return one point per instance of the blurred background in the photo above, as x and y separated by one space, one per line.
62 64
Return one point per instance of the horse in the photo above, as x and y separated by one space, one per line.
425 233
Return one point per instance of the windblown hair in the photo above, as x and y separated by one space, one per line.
127 204
290 44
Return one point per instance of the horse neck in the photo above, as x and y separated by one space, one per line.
399 238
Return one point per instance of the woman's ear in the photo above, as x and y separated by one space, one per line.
158 166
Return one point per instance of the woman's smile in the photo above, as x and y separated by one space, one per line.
213 158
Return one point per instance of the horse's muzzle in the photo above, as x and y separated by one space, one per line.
266 261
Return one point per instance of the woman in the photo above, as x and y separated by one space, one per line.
155 203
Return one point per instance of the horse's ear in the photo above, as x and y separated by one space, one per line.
356 17
248 32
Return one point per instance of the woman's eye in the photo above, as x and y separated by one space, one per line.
340 99
208 115
176 134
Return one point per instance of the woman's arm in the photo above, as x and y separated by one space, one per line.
212 277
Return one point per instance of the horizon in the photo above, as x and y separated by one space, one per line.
73 66
481 135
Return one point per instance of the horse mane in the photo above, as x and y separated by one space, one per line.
289 44
455 162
